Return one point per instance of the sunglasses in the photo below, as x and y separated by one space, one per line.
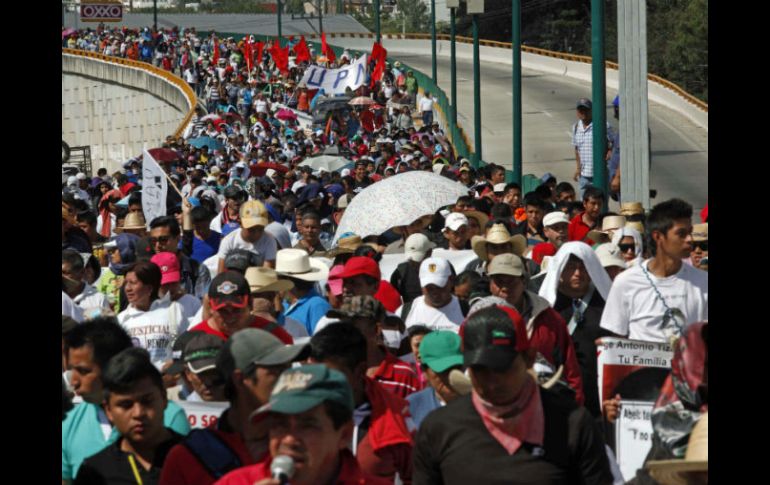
624 248
703 245
161 239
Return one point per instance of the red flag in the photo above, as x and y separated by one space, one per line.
303 53
379 70
327 51
247 54
280 56
216 51
260 48
378 52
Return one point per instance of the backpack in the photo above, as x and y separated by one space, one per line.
212 452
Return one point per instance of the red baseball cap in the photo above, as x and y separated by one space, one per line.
360 265
169 267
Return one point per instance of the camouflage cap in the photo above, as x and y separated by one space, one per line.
365 306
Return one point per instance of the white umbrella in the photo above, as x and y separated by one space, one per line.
330 163
398 201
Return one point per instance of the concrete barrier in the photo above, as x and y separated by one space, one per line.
659 90
120 107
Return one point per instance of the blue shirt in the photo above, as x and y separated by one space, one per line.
307 310
82 436
202 250
422 403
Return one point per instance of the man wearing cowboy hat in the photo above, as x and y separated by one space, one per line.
230 303
267 299
498 240
508 429
545 328
134 223
251 236
303 303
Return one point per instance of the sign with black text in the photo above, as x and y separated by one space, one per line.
336 81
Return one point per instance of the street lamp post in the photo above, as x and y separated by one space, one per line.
453 5
155 15
377 19
476 7
599 111
280 39
516 88
433 39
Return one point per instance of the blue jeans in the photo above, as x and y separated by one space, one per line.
583 183
427 118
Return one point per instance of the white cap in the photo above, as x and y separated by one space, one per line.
199 167
455 220
435 271
555 217
609 255
345 172
81 176
417 246
270 172
499 188
211 179
437 168
297 185
72 180
506 264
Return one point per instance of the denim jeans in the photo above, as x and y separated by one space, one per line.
583 183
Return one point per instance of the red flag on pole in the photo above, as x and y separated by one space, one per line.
379 70
378 52
327 51
216 51
247 54
303 53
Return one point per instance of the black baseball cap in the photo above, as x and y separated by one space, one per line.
493 339
234 192
240 259
177 349
201 351
229 288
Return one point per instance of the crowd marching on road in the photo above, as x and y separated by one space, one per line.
365 305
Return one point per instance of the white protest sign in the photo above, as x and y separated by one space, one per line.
154 188
633 365
633 436
335 81
202 414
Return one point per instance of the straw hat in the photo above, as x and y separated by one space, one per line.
678 472
346 245
296 263
609 224
636 225
631 208
134 220
265 280
498 234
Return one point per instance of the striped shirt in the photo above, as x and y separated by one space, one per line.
397 377
583 140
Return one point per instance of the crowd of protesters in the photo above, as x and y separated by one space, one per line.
241 294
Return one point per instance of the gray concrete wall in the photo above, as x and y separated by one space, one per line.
117 110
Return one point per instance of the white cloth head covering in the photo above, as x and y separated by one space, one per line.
596 271
629 231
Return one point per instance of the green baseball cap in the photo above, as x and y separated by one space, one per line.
302 388
440 350
255 346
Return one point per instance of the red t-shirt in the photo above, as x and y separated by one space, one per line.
397 376
258 322
182 467
578 230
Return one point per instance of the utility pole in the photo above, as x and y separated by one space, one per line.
599 94
280 36
433 39
516 89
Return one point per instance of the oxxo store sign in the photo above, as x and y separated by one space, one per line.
101 11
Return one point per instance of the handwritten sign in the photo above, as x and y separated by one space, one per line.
336 81
154 189
633 436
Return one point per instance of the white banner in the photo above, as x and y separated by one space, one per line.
154 188
617 358
202 414
335 81
633 436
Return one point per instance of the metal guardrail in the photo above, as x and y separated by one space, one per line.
192 99
532 50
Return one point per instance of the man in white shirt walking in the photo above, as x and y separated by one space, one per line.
426 109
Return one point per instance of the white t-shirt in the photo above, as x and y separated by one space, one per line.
448 317
634 309
426 104
156 329
280 234
265 247
70 309
190 305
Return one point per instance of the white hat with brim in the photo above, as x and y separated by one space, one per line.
134 221
265 280
609 255
297 263
498 234
675 472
